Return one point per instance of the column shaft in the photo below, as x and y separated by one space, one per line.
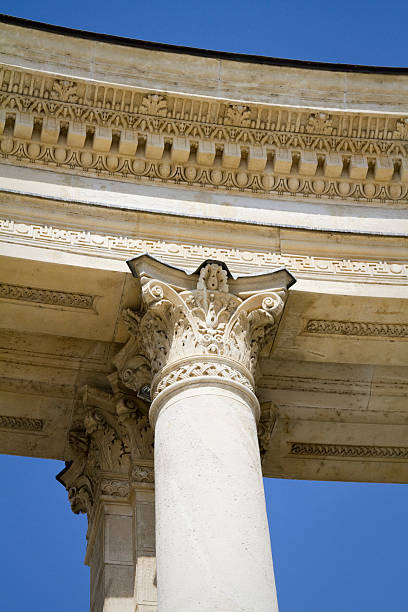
213 546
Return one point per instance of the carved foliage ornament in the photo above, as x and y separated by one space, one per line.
357 328
202 321
111 437
206 321
40 97
350 451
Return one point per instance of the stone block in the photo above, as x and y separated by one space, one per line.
358 167
23 127
102 139
180 150
282 162
128 142
76 135
257 158
50 130
154 146
333 165
231 156
206 153
384 169
308 163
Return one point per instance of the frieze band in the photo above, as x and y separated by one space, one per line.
21 423
46 296
357 328
348 451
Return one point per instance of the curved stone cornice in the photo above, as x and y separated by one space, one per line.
133 134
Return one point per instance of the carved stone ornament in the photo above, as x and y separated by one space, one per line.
285 134
110 438
266 426
205 323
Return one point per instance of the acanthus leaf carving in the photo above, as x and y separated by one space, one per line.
136 423
64 91
111 432
319 123
202 324
401 129
154 104
238 115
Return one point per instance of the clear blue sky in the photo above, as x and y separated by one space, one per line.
337 547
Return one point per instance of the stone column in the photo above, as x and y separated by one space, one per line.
111 478
202 335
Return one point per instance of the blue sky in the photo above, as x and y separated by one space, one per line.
357 32
337 546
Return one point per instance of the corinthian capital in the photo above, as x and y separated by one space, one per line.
205 323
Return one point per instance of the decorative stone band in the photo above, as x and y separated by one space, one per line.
120 107
193 368
46 296
76 126
348 451
273 184
206 371
114 488
357 328
119 245
21 423
121 487
143 473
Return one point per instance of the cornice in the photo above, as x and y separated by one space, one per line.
145 136
155 46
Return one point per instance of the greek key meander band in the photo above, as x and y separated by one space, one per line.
118 245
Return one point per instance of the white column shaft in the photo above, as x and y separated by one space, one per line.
213 545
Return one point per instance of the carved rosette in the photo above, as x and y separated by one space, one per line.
205 324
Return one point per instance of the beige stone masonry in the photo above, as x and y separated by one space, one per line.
358 142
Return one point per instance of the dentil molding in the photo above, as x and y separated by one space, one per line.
145 136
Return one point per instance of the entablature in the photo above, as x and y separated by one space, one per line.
153 135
